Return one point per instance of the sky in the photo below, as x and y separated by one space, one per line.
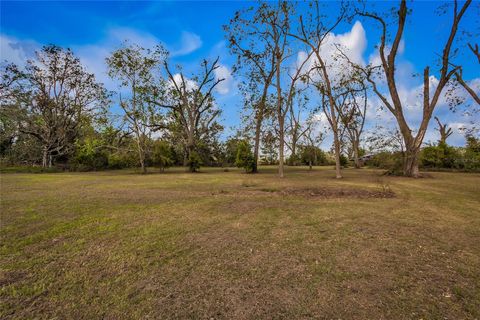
192 31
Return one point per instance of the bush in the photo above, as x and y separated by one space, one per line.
392 162
194 161
441 156
89 156
313 155
293 160
244 156
343 161
121 160
162 155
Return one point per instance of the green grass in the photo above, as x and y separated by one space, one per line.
229 245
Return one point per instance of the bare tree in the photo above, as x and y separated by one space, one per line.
249 39
312 32
295 128
312 139
294 93
444 131
413 142
459 75
192 104
353 118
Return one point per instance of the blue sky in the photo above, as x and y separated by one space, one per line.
193 30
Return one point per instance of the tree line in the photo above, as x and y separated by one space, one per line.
289 72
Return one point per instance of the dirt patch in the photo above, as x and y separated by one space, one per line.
338 193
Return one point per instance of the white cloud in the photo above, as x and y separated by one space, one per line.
189 42
352 43
225 86
16 51
190 84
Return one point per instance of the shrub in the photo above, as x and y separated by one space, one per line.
312 155
244 156
390 161
162 155
194 161
441 156
343 161
89 156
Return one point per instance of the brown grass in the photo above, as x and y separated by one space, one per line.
227 245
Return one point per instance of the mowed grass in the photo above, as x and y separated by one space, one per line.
227 245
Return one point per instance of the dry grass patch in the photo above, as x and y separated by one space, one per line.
227 245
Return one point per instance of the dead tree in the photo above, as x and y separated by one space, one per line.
444 130
353 119
413 142
249 40
461 81
191 103
294 93
313 33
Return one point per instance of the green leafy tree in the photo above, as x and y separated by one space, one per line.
54 96
134 66
312 156
245 157
194 161
162 155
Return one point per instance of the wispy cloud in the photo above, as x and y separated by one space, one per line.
189 42
15 50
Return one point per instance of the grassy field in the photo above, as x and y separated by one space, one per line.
227 245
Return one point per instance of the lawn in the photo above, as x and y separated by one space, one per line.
229 245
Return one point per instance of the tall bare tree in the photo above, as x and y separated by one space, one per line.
313 30
192 104
388 54
249 40
353 118
296 129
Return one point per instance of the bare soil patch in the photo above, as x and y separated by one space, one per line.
338 193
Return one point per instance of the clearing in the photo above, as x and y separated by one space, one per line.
228 245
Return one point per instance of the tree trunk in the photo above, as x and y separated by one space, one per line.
336 141
410 168
185 157
355 155
44 157
141 156
189 167
281 148
142 165
258 129
293 156
310 165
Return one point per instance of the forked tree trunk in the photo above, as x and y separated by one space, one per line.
410 167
